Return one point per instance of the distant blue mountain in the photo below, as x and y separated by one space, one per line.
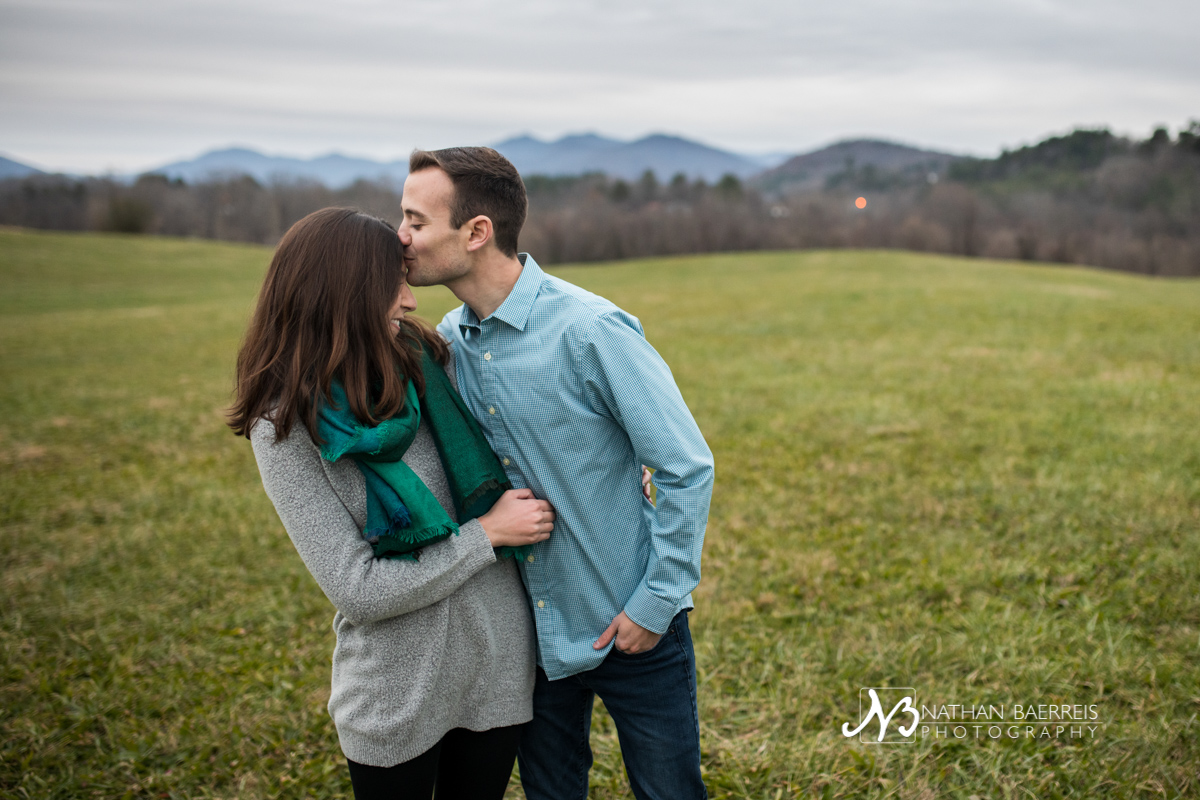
333 170
770 160
571 155
664 155
15 169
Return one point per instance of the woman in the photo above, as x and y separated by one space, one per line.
384 482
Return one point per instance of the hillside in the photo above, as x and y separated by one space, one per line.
977 478
811 172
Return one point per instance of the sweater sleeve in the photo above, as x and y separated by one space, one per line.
363 588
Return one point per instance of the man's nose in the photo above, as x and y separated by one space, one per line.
405 237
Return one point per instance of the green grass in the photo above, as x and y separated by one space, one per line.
976 478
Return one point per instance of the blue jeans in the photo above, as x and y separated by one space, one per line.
651 697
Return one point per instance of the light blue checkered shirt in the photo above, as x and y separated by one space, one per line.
573 399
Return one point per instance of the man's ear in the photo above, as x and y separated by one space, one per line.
479 233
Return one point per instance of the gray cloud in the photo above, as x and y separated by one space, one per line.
126 84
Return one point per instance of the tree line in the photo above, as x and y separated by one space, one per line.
1089 197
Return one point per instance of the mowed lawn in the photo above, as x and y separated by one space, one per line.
978 479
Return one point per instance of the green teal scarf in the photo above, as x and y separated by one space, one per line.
402 514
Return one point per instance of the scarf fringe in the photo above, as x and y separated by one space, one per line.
488 486
518 553
403 543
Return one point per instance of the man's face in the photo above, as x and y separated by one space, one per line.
434 252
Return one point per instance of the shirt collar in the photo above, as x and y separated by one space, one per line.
517 306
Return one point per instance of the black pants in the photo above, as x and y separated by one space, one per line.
464 765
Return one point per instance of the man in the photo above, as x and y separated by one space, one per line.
573 399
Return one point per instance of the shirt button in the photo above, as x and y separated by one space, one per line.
530 558
491 410
506 464
487 356
541 603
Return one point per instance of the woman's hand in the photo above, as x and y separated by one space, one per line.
518 518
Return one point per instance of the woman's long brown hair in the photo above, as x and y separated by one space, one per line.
323 313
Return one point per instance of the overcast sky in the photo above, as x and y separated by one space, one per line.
93 85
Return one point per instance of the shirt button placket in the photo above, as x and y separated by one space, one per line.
488 380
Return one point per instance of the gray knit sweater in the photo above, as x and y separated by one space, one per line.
422 647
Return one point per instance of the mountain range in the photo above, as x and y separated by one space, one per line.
334 170
576 154
571 155
665 155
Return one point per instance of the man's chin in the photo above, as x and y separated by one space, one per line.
417 278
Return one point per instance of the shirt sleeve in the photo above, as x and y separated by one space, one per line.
626 380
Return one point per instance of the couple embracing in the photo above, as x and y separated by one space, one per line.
471 500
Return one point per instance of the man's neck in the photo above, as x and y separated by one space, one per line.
489 282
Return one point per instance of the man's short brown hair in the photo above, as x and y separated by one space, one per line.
486 183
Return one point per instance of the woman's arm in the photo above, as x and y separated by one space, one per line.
364 588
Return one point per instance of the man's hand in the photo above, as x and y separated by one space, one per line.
631 637
646 482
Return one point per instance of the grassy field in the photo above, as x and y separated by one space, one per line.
978 479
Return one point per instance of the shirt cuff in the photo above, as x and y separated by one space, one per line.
650 611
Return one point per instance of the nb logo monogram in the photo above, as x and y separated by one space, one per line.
904 705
